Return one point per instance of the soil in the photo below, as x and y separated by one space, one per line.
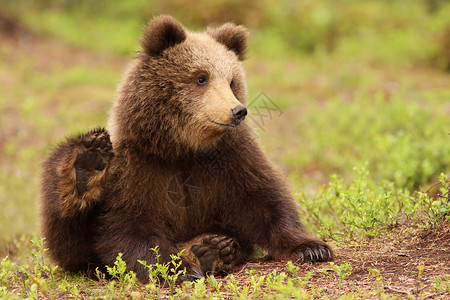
399 257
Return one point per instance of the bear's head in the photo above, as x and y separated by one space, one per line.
183 92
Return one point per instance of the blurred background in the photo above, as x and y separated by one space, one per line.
359 83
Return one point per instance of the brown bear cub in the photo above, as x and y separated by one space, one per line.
147 182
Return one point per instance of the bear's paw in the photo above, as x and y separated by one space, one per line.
82 176
216 253
313 250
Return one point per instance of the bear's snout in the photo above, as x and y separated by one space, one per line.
239 113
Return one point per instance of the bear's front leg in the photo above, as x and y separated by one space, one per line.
270 220
83 172
288 240
297 246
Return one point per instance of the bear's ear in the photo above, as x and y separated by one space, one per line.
161 33
232 36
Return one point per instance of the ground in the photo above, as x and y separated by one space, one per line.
408 260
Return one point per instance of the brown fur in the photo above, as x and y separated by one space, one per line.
162 123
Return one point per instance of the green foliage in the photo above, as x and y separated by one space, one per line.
274 285
341 272
361 208
406 144
442 283
378 279
6 269
165 274
364 208
430 210
123 282
32 278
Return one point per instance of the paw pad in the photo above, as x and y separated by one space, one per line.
216 253
94 154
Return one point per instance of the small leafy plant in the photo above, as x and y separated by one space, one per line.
123 281
342 271
166 274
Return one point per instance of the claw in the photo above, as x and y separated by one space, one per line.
322 256
316 254
309 256
330 255
195 275
302 256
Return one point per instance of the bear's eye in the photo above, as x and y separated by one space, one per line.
202 80
232 83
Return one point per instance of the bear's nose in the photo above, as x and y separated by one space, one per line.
239 113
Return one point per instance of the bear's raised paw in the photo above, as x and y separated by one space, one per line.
82 176
94 153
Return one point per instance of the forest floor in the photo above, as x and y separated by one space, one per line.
405 262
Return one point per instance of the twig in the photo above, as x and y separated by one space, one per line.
355 283
394 289
432 295
242 269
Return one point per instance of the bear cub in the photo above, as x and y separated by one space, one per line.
146 181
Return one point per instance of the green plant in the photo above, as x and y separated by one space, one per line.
233 288
342 271
6 267
378 279
419 280
298 280
41 266
442 283
125 280
361 208
37 276
165 274
199 291
216 285
432 210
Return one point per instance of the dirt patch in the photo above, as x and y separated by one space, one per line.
406 262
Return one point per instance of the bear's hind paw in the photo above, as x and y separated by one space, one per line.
216 253
82 176
94 154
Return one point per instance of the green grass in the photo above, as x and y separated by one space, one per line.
364 123
40 278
